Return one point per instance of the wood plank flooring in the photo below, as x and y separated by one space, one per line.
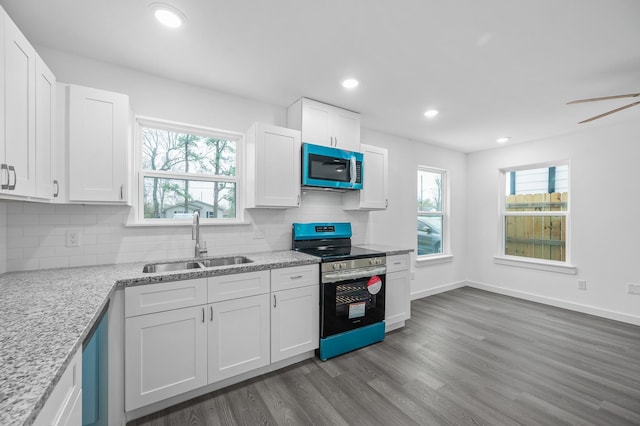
466 357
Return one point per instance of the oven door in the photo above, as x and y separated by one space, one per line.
350 304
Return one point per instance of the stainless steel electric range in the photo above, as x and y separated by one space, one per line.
352 287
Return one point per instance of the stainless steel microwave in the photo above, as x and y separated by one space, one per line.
328 167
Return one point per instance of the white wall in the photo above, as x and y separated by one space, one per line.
397 224
605 227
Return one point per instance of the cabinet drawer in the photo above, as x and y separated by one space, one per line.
233 286
398 262
294 277
147 299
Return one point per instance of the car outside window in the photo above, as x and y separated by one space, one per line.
184 169
431 213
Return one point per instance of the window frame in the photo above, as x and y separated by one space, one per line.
140 173
444 212
532 262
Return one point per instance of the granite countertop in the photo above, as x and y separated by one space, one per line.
45 315
390 250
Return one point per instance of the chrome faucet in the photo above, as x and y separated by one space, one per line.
195 235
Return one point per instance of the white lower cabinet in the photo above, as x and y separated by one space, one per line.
295 312
64 405
398 291
238 336
166 355
183 335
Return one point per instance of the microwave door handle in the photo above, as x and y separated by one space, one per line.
352 181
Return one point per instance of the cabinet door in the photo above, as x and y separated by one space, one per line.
19 83
45 110
295 318
397 298
165 355
98 140
316 128
238 336
274 169
345 129
64 404
375 188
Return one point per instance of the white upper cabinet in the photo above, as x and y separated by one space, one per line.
323 124
98 143
375 184
45 121
273 167
18 177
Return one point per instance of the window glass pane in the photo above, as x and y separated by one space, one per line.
172 151
179 198
539 237
429 234
539 189
429 191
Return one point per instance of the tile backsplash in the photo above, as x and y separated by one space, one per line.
36 233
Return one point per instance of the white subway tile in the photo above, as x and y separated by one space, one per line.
53 262
54 219
84 260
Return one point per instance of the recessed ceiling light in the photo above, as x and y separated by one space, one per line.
502 140
350 83
431 113
168 15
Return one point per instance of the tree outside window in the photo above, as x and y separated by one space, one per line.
186 170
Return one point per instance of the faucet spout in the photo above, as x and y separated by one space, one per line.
195 235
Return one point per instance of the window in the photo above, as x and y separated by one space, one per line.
431 216
535 212
185 169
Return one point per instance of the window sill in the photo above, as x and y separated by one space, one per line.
434 260
183 223
558 267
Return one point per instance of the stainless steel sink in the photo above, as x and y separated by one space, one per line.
195 264
171 266
223 261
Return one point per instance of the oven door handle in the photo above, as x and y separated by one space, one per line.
332 277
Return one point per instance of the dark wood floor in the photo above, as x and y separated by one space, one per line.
466 357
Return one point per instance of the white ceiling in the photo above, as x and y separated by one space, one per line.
493 67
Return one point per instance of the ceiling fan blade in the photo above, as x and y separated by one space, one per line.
630 95
610 112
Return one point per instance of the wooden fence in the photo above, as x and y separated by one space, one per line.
540 237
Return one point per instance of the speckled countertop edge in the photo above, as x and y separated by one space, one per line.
389 250
45 315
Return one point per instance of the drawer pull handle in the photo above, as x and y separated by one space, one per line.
397 263
297 277
274 300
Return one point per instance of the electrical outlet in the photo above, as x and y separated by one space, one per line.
582 284
633 288
73 238
258 234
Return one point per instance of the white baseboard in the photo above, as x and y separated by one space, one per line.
585 309
440 289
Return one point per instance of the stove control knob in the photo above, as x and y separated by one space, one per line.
343 265
336 266
372 261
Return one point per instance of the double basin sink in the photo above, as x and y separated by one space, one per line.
195 264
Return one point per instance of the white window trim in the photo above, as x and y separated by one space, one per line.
565 267
135 218
446 255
